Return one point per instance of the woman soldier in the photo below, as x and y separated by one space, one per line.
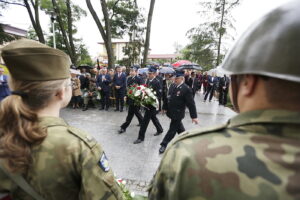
41 156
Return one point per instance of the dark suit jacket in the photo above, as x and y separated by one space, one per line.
224 82
213 82
103 84
155 85
4 89
178 99
120 81
131 81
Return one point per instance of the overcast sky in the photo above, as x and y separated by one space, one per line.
171 20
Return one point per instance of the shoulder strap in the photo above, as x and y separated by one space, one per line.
22 183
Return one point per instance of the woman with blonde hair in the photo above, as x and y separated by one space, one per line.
41 156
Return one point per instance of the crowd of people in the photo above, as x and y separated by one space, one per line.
109 86
255 155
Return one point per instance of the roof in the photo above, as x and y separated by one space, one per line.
14 30
163 56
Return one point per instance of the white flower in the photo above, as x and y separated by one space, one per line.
124 182
132 194
146 97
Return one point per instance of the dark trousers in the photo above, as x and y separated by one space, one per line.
176 126
132 110
120 99
149 114
204 89
104 98
223 97
210 91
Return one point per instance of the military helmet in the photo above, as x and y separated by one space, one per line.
270 47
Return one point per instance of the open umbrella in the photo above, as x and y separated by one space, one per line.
181 62
189 66
142 71
87 67
166 70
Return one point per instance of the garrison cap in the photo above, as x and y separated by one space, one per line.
29 60
270 47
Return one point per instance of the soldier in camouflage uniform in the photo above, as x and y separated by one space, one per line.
256 155
90 93
41 156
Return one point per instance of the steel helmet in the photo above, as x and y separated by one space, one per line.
270 47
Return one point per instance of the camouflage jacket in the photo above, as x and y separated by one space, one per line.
68 164
256 155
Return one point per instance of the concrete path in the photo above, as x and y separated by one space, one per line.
137 163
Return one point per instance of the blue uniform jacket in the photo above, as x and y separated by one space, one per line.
4 89
120 81
103 84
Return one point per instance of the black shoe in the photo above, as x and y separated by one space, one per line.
158 133
121 131
162 149
106 109
139 124
84 108
121 110
138 141
101 108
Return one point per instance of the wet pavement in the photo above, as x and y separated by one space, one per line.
137 163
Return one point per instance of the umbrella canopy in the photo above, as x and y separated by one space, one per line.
181 62
167 70
142 71
190 66
87 67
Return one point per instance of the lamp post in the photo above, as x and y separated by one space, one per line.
53 18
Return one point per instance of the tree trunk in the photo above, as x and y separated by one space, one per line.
35 21
147 42
220 34
104 35
70 31
63 31
109 49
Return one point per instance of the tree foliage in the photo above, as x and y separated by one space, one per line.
210 35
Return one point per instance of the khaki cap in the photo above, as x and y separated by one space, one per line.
29 60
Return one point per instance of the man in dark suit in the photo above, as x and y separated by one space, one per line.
4 89
150 113
102 82
212 86
180 96
119 83
132 109
223 90
195 83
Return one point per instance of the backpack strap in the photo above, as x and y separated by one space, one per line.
22 183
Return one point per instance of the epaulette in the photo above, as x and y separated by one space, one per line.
85 137
199 131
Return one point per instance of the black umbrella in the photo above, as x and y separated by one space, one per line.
189 66
87 67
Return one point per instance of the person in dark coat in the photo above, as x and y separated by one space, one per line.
223 90
119 82
194 83
102 82
212 86
132 109
205 82
4 89
150 111
199 76
179 97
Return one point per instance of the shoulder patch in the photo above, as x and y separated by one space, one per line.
103 163
85 137
199 131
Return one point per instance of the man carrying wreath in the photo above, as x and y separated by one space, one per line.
150 113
